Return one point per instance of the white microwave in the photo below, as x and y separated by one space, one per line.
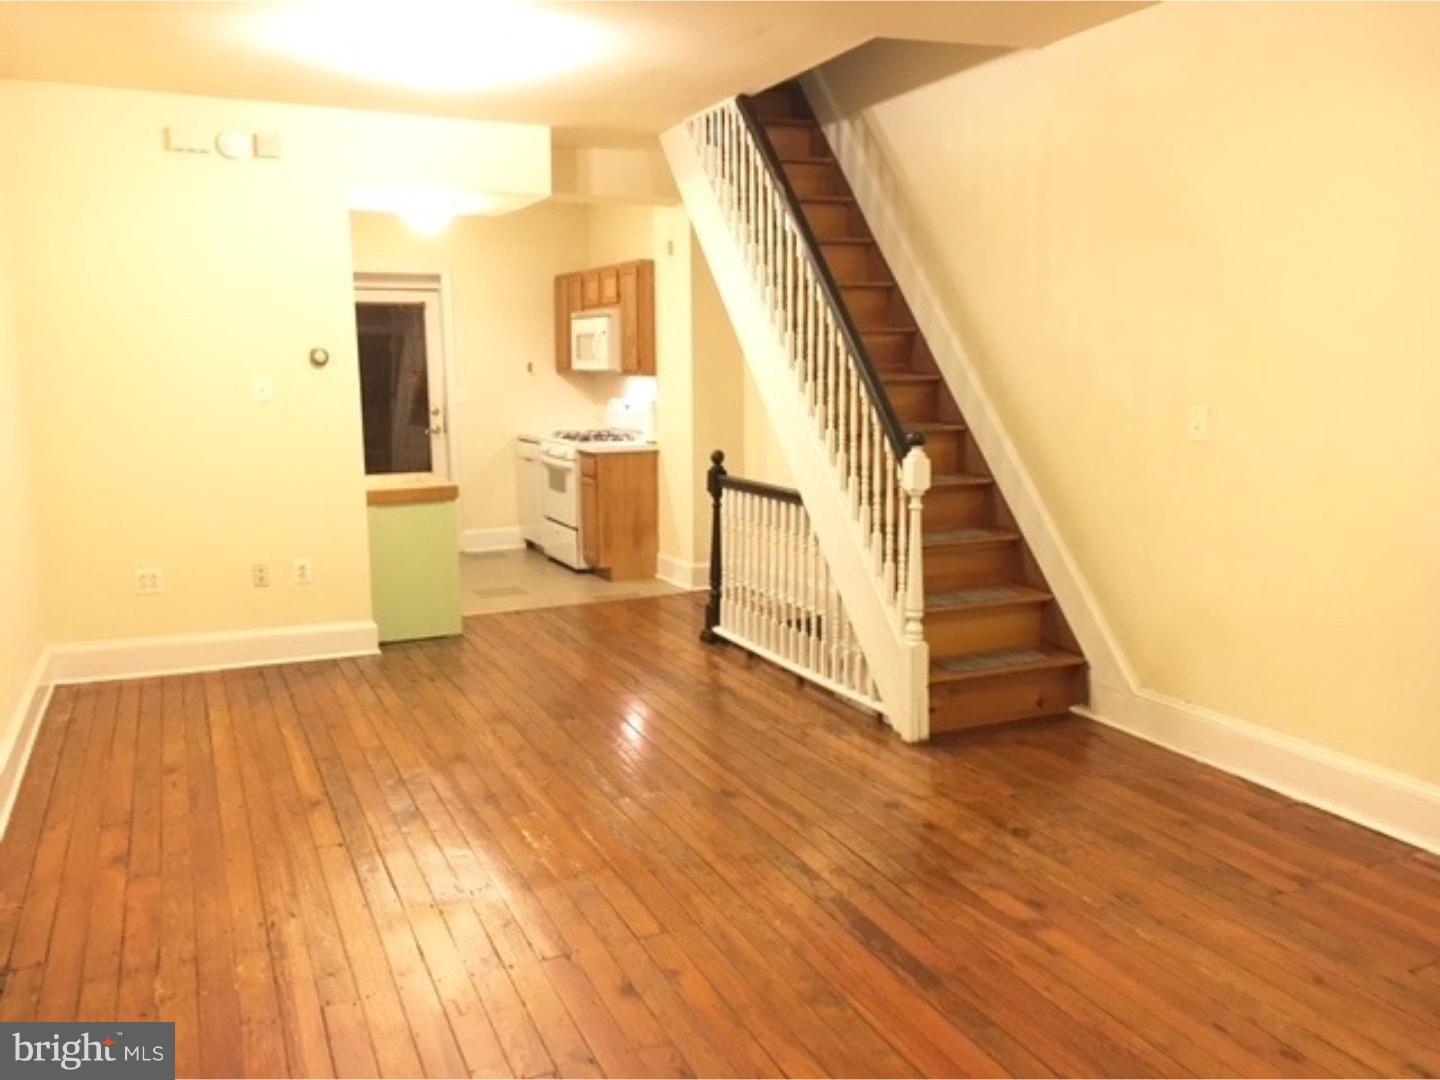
594 341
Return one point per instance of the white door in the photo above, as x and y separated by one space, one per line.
403 399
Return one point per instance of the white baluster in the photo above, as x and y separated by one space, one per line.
865 423
887 467
782 607
767 578
747 538
798 604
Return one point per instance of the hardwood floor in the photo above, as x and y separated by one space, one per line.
578 842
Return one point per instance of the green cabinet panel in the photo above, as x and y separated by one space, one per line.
415 570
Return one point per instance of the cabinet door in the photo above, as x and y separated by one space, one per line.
630 317
590 520
609 286
576 289
645 317
562 322
590 289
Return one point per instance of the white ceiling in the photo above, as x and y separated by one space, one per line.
634 67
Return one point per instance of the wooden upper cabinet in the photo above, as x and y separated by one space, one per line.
562 323
590 288
628 288
609 285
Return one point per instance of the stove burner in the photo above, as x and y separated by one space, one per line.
597 435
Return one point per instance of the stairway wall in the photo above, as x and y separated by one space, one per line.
1228 205
21 639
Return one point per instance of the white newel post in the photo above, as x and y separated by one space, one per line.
915 480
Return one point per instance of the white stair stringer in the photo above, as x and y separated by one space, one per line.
898 662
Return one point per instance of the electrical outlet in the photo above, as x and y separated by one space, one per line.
260 576
1198 426
149 581
302 571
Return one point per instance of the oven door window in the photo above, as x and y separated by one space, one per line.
561 502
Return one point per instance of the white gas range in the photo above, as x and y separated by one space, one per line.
553 521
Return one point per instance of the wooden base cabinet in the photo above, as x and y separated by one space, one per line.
619 506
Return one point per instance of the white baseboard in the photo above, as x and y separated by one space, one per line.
1382 799
479 541
1393 803
17 738
684 575
178 654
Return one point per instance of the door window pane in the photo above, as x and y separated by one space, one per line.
394 387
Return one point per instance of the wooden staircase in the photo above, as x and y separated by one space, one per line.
1000 648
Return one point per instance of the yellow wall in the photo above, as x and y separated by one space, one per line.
153 287
1229 205
20 633
720 416
698 364
500 274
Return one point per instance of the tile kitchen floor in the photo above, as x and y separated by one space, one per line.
522 580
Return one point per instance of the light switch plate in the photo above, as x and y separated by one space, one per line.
232 144
268 144
185 139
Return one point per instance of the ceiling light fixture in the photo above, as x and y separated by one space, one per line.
433 46
426 210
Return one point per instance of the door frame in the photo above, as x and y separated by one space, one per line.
431 291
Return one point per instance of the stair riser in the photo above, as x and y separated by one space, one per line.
1002 697
792 141
891 352
833 220
944 450
871 307
779 103
854 262
957 508
970 630
814 179
915 401
964 565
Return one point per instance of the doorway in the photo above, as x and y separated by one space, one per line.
403 387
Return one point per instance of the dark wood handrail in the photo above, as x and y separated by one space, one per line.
759 487
717 482
900 440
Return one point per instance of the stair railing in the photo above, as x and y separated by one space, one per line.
771 591
881 468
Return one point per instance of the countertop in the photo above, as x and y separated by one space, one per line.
596 447
400 491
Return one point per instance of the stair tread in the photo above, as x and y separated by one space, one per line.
827 198
978 596
789 121
908 376
868 283
848 240
806 159
960 480
887 329
1001 662
969 536
935 425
